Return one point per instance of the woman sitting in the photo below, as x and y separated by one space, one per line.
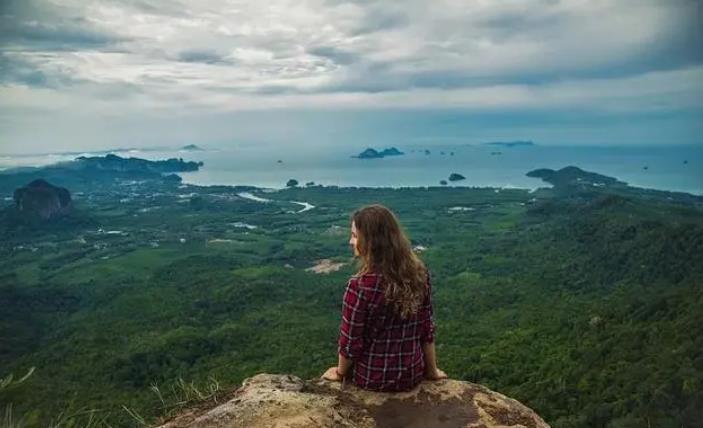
386 340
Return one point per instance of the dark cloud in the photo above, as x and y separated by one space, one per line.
22 72
22 36
378 15
677 46
683 45
154 7
23 76
274 90
29 26
334 54
379 19
202 55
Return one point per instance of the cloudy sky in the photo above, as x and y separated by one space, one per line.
77 75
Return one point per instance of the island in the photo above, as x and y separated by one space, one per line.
511 143
572 179
116 163
192 148
391 152
456 177
574 176
368 154
375 154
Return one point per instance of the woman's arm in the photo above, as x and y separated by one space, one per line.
431 370
351 331
427 336
430 357
340 371
343 365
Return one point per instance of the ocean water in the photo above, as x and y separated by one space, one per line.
676 168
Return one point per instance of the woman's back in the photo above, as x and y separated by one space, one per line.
386 348
386 339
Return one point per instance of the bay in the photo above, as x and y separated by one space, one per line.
663 167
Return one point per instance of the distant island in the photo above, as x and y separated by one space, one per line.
511 143
574 176
375 154
117 163
192 148
456 177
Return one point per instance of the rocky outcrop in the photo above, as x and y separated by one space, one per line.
42 200
267 400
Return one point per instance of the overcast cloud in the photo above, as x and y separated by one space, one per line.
108 73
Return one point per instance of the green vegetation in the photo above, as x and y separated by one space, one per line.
582 302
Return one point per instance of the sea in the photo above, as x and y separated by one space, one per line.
664 167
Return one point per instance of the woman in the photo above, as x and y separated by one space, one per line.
386 340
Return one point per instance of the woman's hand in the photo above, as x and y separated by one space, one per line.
435 374
332 374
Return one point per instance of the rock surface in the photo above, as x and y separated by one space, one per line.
40 199
267 400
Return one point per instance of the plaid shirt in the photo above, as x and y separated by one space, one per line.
386 350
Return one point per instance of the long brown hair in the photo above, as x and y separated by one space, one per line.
384 248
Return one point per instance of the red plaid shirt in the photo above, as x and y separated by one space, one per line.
386 350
